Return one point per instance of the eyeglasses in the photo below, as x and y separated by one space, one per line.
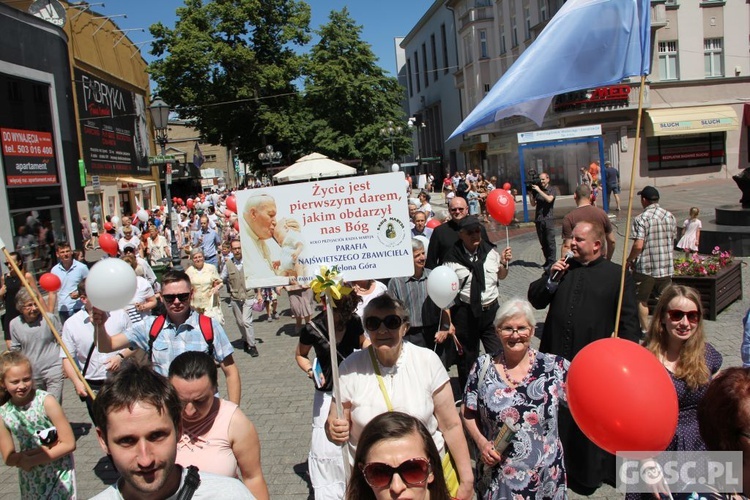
676 315
523 331
171 297
413 472
457 209
392 322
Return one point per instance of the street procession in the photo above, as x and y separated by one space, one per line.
496 249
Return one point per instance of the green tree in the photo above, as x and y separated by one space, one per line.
230 66
350 96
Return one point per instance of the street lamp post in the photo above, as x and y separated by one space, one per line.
160 118
270 157
390 131
417 122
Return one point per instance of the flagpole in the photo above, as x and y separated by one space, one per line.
630 205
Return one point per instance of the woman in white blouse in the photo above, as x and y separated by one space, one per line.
413 381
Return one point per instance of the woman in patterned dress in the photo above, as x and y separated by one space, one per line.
517 389
206 283
45 470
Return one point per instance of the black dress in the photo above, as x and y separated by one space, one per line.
12 286
309 336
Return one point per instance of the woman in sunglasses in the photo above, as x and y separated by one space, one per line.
510 411
395 375
396 457
675 336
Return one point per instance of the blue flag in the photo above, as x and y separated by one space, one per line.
587 44
198 158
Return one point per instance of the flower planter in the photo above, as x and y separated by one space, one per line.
717 291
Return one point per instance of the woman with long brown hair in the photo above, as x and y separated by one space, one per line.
676 337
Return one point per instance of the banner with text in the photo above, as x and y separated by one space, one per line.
29 157
114 134
360 224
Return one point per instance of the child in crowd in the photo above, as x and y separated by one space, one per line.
269 297
691 232
36 420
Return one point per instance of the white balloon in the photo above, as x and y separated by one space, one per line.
111 284
442 286
115 220
395 167
142 215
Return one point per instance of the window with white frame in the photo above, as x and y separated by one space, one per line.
527 22
668 66
713 57
503 48
483 44
543 10
513 30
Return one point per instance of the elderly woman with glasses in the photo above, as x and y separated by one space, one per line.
510 411
206 284
395 375
676 337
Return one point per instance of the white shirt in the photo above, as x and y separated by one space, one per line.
491 267
134 241
410 384
143 291
78 335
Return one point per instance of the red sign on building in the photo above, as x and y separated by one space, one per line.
28 156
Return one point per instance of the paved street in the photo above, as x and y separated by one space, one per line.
277 395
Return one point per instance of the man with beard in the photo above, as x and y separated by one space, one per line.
138 416
582 294
479 267
445 236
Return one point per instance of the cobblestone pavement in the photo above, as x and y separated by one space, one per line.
277 396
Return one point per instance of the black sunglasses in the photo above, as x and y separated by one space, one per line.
171 297
392 322
676 315
413 472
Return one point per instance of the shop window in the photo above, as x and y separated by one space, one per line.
668 66
713 57
686 151
35 233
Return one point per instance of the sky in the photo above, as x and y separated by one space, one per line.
381 20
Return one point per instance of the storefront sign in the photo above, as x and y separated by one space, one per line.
610 96
51 11
114 135
559 134
96 182
160 159
28 157
359 224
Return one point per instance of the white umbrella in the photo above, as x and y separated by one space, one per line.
313 166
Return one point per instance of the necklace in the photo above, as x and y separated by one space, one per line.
513 382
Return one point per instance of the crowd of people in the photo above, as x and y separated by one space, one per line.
149 372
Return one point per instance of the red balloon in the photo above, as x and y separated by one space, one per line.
50 282
108 244
180 202
108 226
228 213
236 225
501 206
432 223
506 186
613 387
232 203
190 204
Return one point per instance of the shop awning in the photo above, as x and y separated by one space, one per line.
694 120
133 180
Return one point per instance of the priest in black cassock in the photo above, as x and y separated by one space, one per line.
582 303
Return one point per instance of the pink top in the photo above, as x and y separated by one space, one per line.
206 445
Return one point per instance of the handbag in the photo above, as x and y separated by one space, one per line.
448 464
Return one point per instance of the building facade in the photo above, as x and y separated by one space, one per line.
428 59
103 167
695 119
